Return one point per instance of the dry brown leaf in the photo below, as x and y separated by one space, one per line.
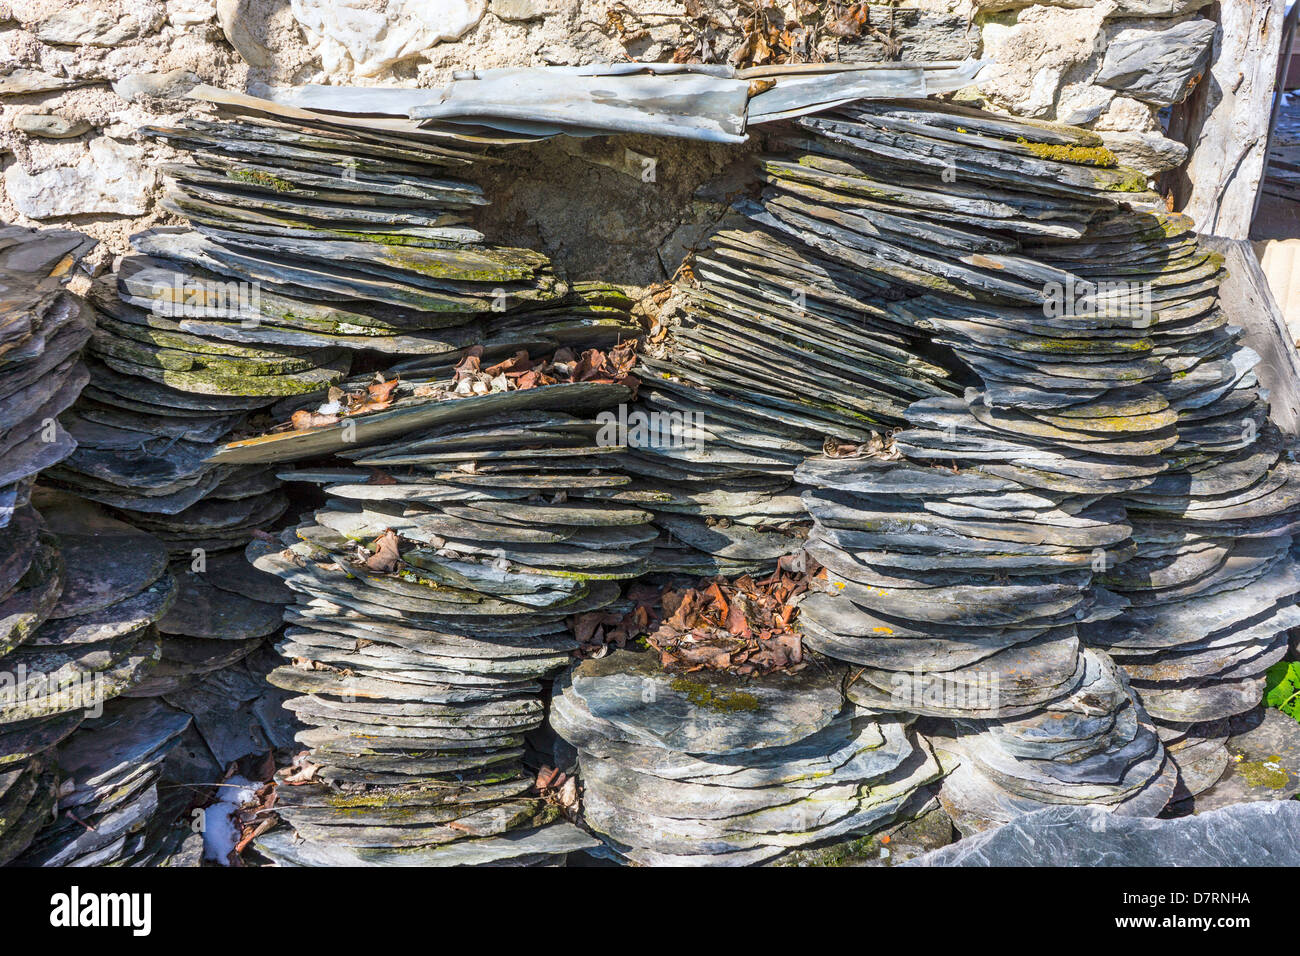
744 626
386 555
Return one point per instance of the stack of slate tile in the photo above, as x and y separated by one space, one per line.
1097 746
307 243
432 593
1213 584
710 769
95 640
154 410
108 802
768 347
312 240
142 451
157 406
151 467
962 557
42 331
957 591
355 240
971 613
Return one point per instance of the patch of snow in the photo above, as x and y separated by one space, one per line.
220 832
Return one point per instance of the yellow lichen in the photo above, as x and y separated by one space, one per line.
702 696
1260 774
1092 155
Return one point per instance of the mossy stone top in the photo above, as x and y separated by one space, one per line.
707 713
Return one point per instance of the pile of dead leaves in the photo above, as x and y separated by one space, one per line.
757 32
342 403
792 33
471 377
558 788
743 626
879 446
598 632
521 371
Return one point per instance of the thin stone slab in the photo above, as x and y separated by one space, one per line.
1263 765
700 713
521 848
1255 834
202 610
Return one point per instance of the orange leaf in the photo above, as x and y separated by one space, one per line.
305 419
737 624
382 391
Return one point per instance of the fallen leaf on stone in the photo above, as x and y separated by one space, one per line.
850 24
382 391
558 788
386 556
306 419
302 772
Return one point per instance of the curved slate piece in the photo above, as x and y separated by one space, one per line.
706 713
416 414
202 610
1087 836
34 598
522 848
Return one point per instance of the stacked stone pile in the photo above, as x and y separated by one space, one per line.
707 769
992 539
432 594
80 596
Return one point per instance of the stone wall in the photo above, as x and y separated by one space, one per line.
79 78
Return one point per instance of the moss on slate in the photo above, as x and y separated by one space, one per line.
706 697
259 177
1091 155
1131 181
1257 773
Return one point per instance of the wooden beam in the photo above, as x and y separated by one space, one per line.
1226 119
1247 301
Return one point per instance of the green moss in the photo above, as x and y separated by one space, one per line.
847 852
859 850
1092 155
411 577
1130 182
1171 226
706 697
1257 773
538 816
1090 345
260 178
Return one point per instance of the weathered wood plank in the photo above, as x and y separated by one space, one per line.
1247 300
1225 121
